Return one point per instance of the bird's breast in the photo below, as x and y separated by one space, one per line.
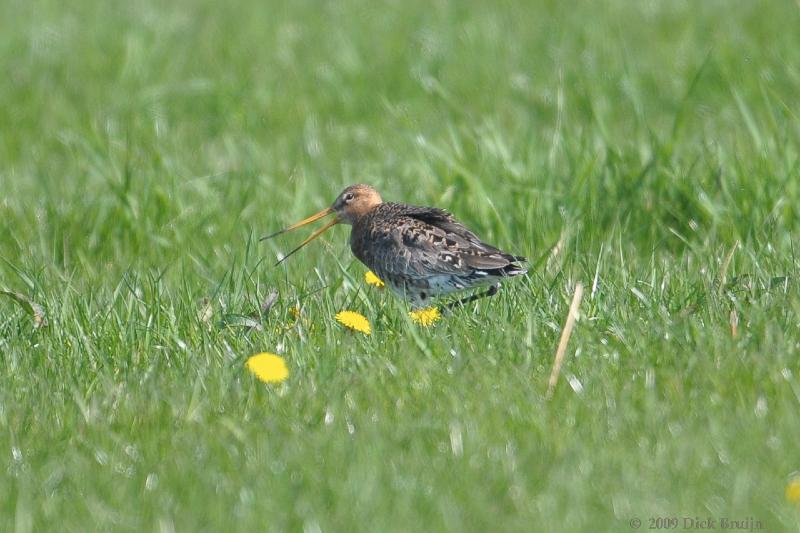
361 244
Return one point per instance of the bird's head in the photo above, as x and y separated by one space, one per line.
352 203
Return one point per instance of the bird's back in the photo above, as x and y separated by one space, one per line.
424 251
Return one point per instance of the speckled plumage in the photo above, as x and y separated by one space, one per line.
423 252
420 252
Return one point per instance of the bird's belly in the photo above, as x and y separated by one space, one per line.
445 284
420 290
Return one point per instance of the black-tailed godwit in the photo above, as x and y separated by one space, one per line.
419 252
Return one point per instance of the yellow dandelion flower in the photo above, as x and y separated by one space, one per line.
371 279
294 312
267 367
425 317
355 321
793 490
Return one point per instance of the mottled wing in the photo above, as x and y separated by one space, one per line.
475 252
424 242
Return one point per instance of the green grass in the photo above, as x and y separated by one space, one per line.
629 146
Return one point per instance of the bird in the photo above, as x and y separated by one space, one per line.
420 253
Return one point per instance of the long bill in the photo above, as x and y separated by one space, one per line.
310 238
325 212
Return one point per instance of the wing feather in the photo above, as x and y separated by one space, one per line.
423 242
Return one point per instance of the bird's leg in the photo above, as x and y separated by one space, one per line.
491 291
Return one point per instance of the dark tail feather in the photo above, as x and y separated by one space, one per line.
515 269
511 269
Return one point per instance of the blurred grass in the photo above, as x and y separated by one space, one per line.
629 146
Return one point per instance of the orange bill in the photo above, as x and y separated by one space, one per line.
325 212
310 238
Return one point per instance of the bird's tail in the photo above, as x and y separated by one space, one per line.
514 269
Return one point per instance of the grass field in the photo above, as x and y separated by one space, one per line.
649 150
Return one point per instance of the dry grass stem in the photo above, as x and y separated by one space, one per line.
565 334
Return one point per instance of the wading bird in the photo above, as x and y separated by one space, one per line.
419 252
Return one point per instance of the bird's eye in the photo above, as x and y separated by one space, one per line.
348 197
